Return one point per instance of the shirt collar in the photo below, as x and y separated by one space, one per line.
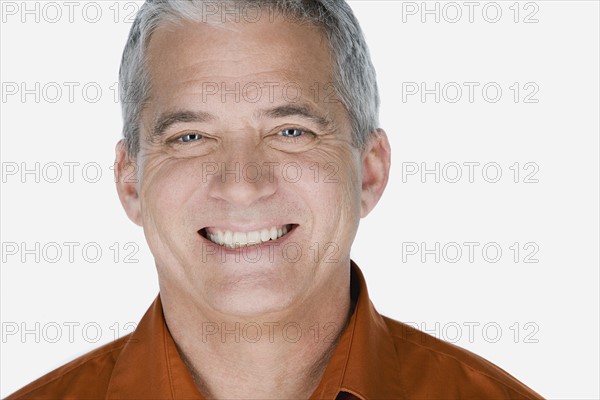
149 366
364 362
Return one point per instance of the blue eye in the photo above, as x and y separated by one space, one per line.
291 132
190 137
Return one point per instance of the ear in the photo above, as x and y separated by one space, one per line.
126 178
376 160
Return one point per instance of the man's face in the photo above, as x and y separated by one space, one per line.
244 139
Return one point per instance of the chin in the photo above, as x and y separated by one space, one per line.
246 300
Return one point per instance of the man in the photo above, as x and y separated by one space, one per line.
251 131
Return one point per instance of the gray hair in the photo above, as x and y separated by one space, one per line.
353 72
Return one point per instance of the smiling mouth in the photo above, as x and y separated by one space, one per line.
234 240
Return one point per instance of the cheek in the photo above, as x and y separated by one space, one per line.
166 190
331 184
335 169
165 187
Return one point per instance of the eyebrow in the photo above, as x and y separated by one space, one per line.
300 110
167 119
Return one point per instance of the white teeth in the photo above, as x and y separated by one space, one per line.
253 237
240 239
265 235
228 238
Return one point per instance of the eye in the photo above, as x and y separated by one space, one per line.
291 139
291 132
190 137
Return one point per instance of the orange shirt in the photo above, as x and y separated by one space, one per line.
375 358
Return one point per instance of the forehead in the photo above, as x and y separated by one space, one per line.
187 54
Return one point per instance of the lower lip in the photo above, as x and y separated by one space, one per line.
264 246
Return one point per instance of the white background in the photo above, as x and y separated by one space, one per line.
556 354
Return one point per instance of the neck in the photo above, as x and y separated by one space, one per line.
272 356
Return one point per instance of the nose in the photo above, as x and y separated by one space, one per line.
243 179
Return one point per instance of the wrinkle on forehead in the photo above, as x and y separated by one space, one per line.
282 45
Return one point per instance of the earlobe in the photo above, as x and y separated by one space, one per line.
126 178
376 161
